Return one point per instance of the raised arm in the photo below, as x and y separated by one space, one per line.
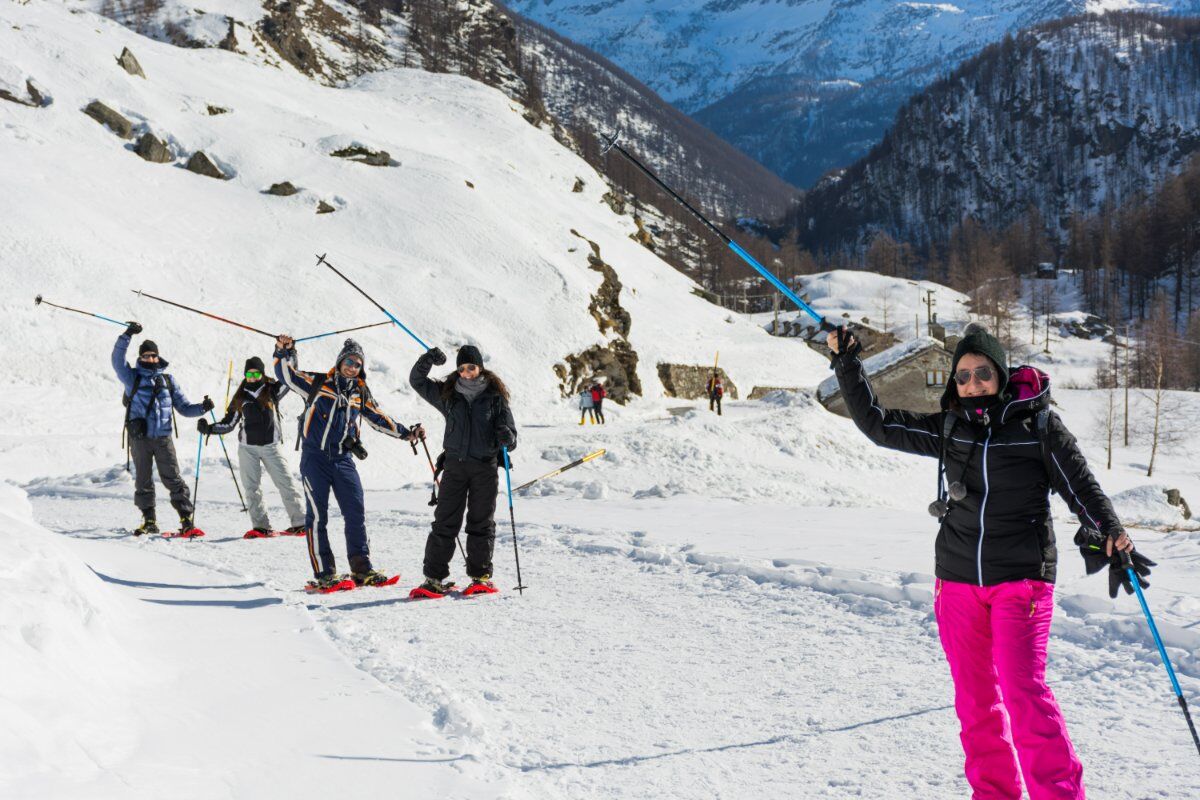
285 367
419 379
125 373
908 431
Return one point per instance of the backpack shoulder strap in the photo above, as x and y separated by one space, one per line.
1042 426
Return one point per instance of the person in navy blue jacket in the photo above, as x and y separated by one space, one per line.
151 396
336 402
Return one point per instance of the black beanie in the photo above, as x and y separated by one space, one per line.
469 354
254 362
147 347
976 339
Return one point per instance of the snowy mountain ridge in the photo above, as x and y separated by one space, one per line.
801 86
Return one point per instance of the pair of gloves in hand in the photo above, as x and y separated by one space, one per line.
1093 547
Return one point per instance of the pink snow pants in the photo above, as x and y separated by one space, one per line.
995 640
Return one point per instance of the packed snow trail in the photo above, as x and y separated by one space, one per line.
638 666
236 694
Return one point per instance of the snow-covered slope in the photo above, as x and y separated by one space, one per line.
473 234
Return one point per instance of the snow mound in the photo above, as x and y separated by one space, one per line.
1147 507
64 669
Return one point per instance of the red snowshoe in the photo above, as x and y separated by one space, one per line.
480 586
295 530
260 533
334 583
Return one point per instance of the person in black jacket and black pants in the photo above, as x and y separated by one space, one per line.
478 423
1002 450
255 407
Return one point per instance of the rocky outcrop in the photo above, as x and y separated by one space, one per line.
613 364
690 381
130 64
153 149
284 189
578 187
201 164
364 155
325 208
213 111
110 119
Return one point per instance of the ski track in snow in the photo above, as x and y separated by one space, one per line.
633 667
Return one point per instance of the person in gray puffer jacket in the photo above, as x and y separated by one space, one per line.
479 421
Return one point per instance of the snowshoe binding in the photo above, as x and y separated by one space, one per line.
373 578
187 530
259 533
480 585
329 584
295 530
148 527
431 589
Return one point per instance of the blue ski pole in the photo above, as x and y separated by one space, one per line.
520 587
401 325
1162 651
37 301
611 144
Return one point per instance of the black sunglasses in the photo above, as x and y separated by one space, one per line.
984 374
468 367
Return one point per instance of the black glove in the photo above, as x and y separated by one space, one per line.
436 356
203 426
134 329
1118 574
848 347
506 437
207 403
1091 547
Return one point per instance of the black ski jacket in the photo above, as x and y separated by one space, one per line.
470 427
259 425
1002 530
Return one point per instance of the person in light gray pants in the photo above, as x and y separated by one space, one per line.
252 459
255 408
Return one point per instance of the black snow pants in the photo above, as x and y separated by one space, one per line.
469 486
160 452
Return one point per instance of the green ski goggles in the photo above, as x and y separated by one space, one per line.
253 374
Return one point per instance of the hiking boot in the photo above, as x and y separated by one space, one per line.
148 527
296 530
432 588
329 582
480 585
185 524
370 578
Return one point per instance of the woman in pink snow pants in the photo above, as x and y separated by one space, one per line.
1000 451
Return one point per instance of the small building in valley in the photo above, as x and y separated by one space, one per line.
911 376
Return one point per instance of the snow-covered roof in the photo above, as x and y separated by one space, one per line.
881 362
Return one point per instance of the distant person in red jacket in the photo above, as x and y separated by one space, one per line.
716 390
598 395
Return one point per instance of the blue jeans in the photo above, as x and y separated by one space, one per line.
320 473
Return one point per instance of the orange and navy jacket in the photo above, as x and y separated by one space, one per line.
336 410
